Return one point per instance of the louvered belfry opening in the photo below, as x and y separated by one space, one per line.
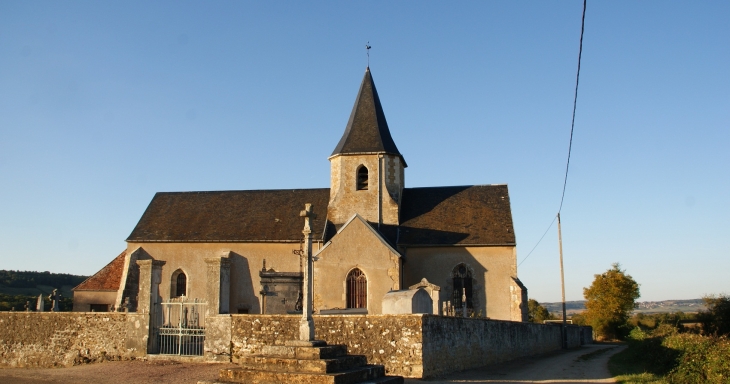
181 283
357 289
462 280
362 179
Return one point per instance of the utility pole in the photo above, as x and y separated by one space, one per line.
563 332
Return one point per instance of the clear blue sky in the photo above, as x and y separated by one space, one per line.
104 103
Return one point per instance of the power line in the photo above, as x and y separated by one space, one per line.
572 127
538 242
575 103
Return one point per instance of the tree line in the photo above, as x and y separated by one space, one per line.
31 279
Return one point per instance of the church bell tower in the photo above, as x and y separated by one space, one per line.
366 168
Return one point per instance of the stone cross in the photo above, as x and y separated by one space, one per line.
55 298
306 324
40 304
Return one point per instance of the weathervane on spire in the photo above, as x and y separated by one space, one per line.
367 48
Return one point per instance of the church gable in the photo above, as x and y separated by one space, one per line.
230 216
356 249
358 227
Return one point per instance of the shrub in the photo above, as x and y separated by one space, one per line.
702 360
716 320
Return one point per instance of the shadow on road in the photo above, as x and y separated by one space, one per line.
587 364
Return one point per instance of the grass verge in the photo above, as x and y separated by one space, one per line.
628 367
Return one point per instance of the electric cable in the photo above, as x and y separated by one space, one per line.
575 103
572 127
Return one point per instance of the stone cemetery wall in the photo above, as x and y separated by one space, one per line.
53 339
419 346
414 345
454 344
390 340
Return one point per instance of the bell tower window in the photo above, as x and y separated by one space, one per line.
362 178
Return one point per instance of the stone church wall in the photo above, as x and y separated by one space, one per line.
355 247
84 299
385 181
54 339
492 269
246 260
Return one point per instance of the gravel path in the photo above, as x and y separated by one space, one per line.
116 372
587 364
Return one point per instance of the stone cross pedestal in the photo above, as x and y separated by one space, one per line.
306 324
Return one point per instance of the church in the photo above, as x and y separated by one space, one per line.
240 251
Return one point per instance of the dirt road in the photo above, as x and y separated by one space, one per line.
588 364
584 365
116 372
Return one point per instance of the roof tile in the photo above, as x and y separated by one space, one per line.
107 279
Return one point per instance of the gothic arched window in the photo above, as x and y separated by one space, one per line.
362 178
357 289
179 286
463 283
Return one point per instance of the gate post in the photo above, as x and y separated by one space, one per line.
218 286
150 277
217 321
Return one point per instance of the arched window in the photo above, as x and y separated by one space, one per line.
179 284
182 285
462 281
357 289
362 178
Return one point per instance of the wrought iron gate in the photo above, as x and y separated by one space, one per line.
179 327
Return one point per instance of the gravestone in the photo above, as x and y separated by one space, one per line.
40 304
55 298
407 301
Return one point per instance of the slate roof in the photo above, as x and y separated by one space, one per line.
107 279
476 215
233 216
367 130
467 215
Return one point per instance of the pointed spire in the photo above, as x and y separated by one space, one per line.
367 131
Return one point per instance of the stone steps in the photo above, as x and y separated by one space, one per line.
365 374
269 363
300 362
308 353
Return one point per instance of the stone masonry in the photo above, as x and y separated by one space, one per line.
62 339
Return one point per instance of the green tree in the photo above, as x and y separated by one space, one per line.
716 319
609 301
536 313
578 319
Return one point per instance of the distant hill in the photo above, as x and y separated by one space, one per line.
35 283
570 307
665 306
